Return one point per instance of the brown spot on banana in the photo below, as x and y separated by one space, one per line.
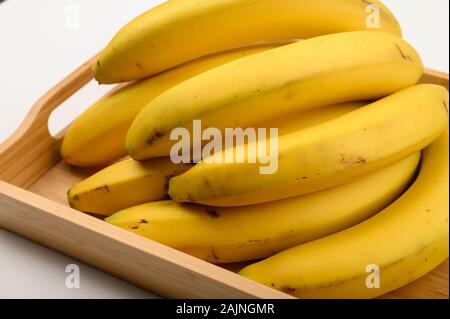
350 161
212 212
155 136
445 105
76 198
404 56
214 254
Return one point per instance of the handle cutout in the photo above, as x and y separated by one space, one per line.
63 115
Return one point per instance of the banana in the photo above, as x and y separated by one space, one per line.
124 184
304 75
97 137
324 155
129 183
178 31
405 241
225 235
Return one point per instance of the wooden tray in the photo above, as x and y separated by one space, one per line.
33 185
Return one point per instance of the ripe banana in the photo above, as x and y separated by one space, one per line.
181 30
304 75
124 184
225 235
405 241
97 137
324 155
129 183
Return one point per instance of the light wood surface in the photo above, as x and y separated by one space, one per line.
140 261
33 186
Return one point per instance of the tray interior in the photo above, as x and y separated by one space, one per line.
55 183
30 160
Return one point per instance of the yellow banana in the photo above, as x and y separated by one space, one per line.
124 184
129 183
178 31
324 155
404 242
224 235
304 75
97 137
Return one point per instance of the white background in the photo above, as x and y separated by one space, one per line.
41 41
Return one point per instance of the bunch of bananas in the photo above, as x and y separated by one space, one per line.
353 127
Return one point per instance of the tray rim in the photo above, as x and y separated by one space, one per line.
17 202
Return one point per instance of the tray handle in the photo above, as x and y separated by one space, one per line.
32 143
435 77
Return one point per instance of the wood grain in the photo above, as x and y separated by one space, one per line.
136 259
33 186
